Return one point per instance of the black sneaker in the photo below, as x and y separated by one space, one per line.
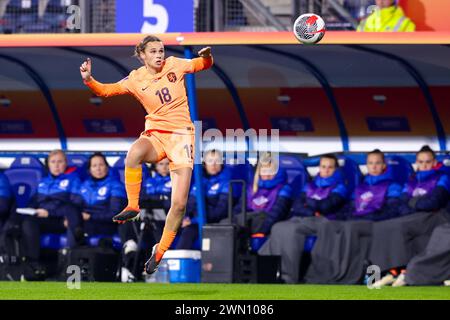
152 265
128 214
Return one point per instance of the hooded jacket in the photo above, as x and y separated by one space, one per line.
325 196
103 198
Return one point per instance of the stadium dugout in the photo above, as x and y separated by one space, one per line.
351 94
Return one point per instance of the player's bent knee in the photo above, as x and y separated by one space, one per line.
131 161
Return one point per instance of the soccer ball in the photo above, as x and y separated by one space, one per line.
309 28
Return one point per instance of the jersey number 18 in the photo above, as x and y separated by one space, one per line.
164 95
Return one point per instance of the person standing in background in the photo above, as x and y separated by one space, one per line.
388 16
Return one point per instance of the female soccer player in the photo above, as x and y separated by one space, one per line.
169 131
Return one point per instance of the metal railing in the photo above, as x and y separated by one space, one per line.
60 16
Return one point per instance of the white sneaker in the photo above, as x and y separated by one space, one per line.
385 281
447 283
126 276
400 281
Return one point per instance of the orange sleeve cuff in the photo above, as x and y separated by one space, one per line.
200 64
105 89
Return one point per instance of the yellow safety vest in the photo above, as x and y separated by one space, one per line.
391 19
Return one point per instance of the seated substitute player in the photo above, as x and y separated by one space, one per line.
320 200
429 188
340 252
102 196
215 183
58 204
169 132
269 197
425 195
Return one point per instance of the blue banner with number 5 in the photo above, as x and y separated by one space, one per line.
154 16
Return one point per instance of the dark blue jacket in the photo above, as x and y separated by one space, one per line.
103 198
157 188
392 203
434 200
216 197
305 206
280 209
54 192
5 197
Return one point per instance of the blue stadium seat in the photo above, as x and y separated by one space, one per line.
445 160
119 169
59 241
53 241
24 175
352 173
80 162
296 171
240 172
93 241
401 168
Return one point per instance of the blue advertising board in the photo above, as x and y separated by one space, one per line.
15 127
154 16
292 124
388 124
103 126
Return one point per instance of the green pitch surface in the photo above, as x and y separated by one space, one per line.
136 291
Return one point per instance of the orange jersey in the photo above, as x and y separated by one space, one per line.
163 95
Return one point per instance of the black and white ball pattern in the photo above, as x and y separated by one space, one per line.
309 28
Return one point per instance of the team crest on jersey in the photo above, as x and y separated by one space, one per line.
172 77
64 183
260 201
215 187
102 191
419 192
316 197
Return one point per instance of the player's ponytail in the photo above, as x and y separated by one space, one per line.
140 47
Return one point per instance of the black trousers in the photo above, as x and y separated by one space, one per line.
33 227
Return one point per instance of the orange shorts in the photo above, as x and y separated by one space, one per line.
179 148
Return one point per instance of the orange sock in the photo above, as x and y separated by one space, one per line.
133 179
165 242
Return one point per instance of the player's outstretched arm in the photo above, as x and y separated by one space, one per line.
100 89
204 62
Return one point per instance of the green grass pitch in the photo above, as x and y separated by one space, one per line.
147 291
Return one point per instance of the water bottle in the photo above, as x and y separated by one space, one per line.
162 274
